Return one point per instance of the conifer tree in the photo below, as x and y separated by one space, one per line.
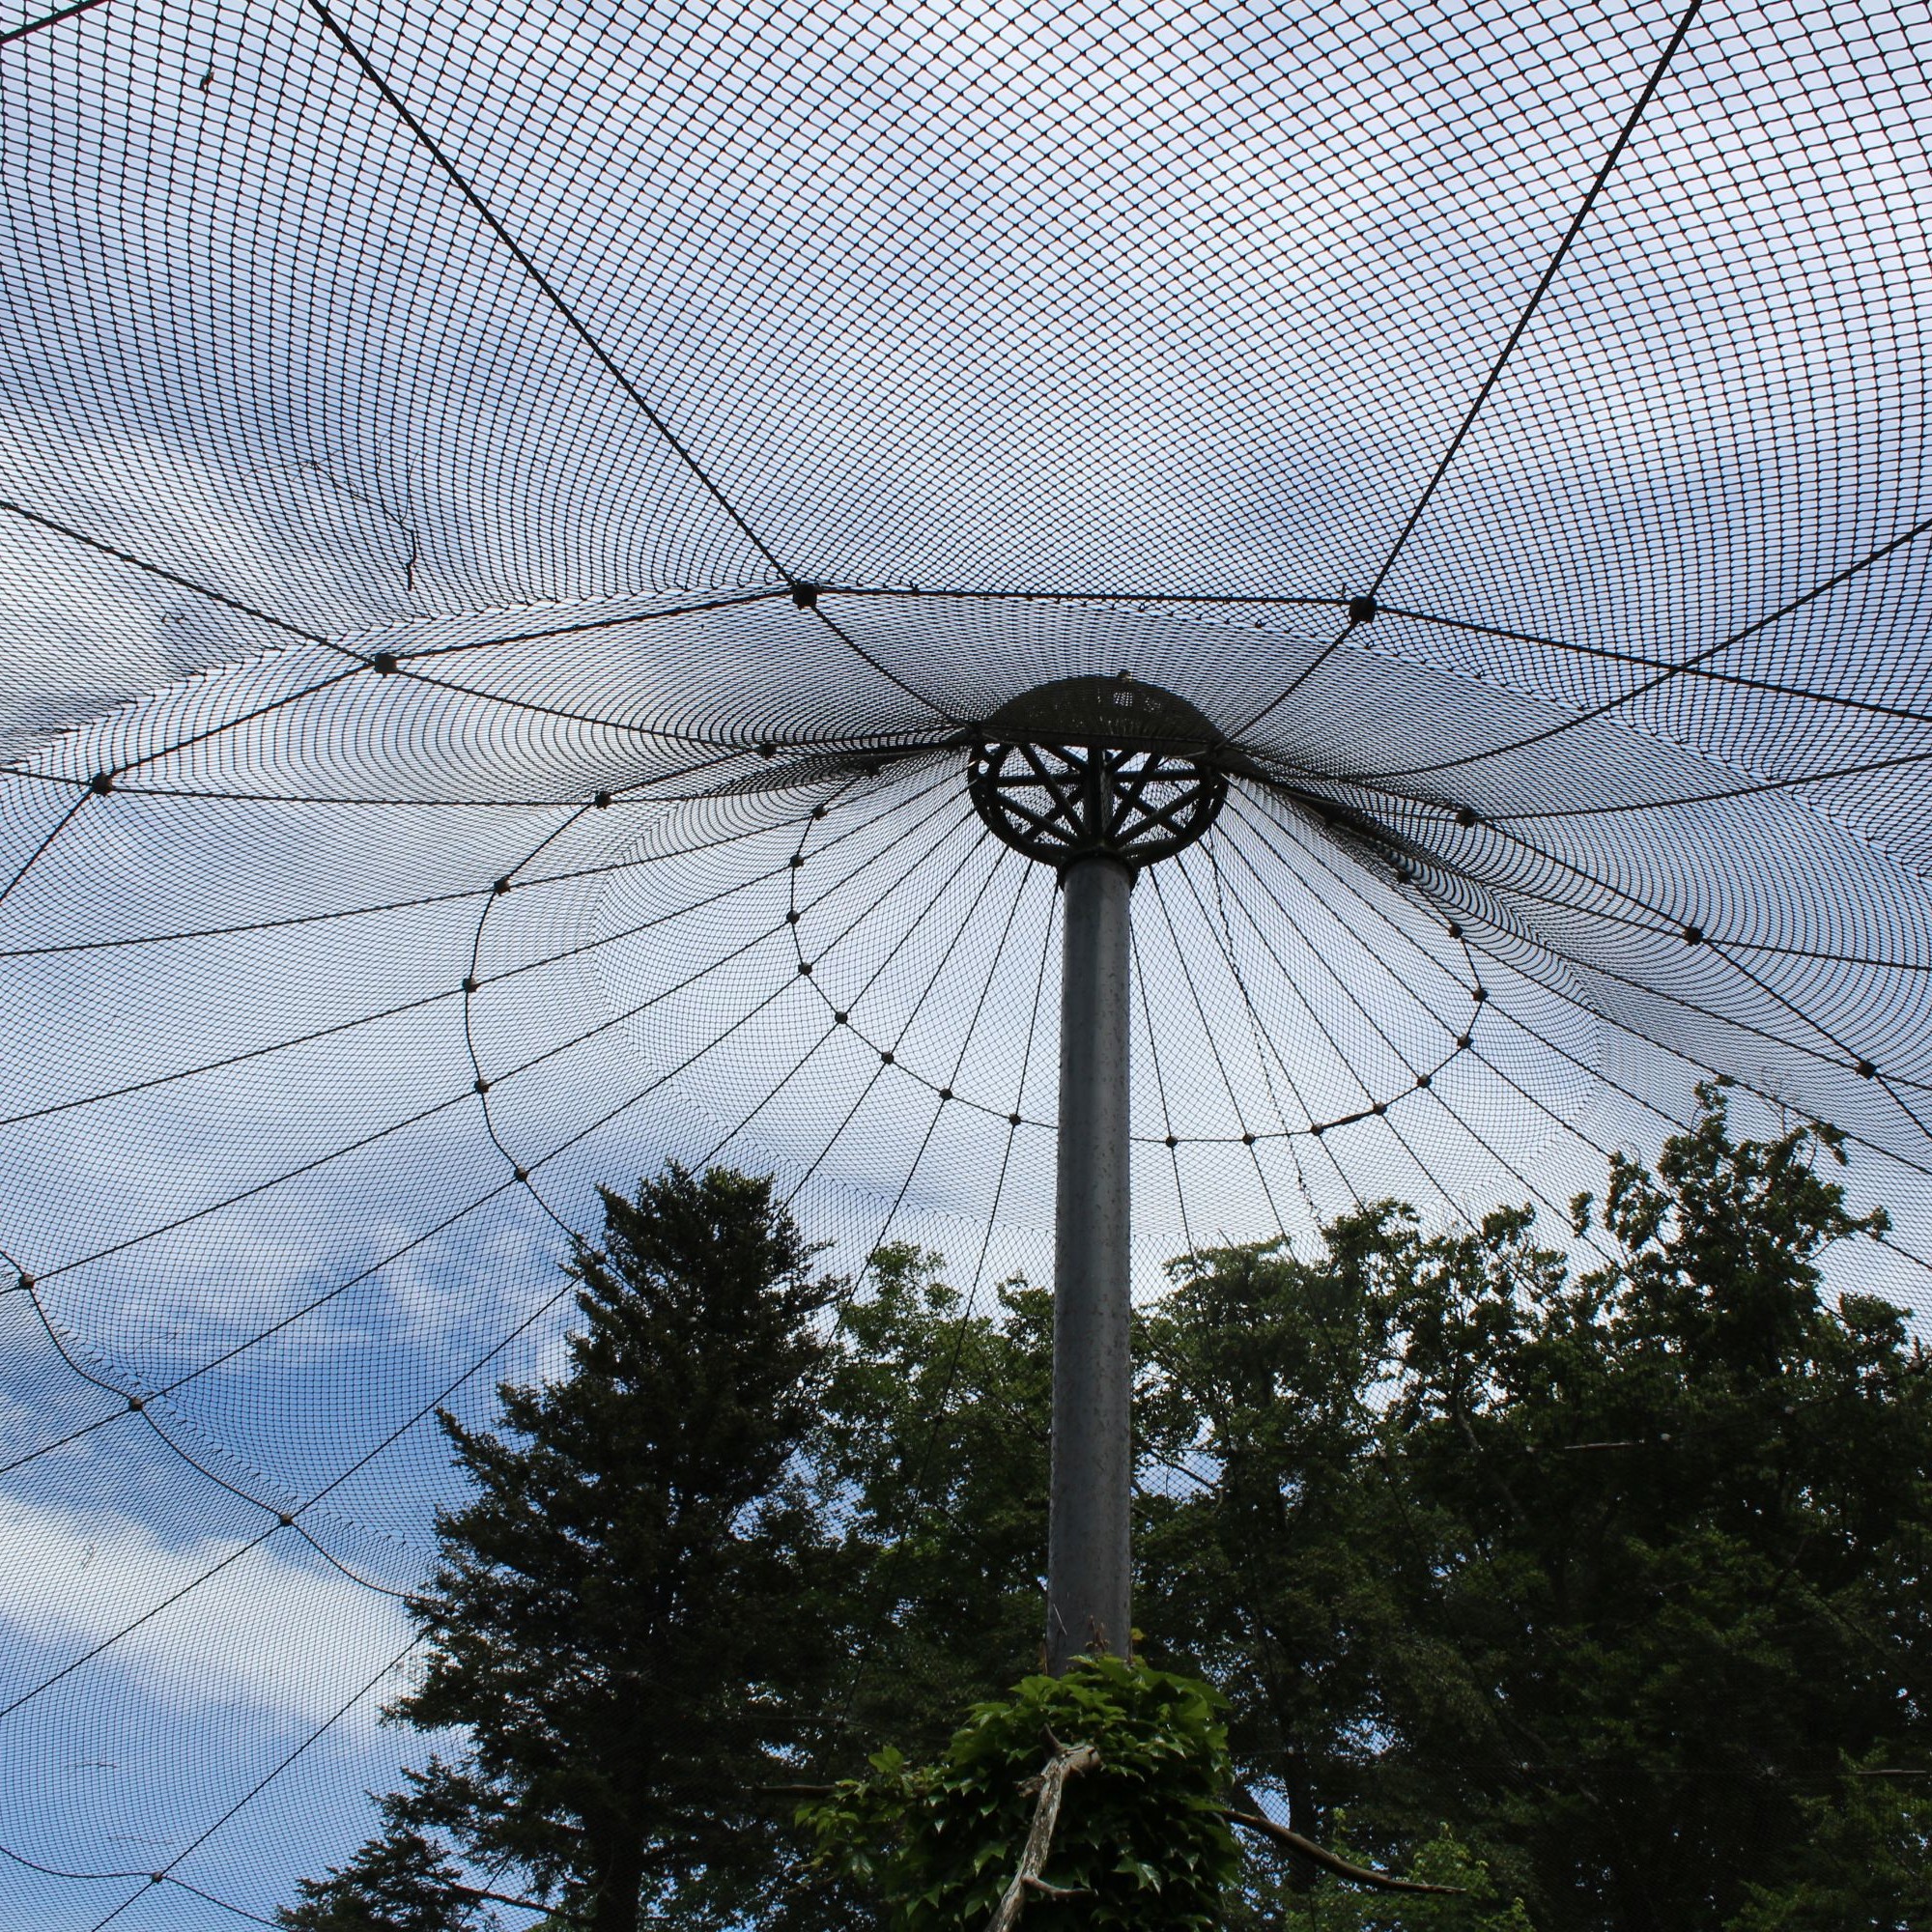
618 1627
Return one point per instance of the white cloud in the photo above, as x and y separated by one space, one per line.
275 1630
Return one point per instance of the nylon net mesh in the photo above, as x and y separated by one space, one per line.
432 774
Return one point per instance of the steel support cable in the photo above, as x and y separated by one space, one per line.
33 858
992 972
376 909
438 1107
1265 827
637 792
946 953
1259 1037
864 1094
236 1349
1518 891
582 331
1864 768
1293 983
1160 1081
1650 990
1315 952
48 20
1603 174
397 1127
163 1872
1383 1109
476 979
276 1516
566 1046
143 1407
1770 687
946 958
1648 684
742 1123
481 209
1481 1139
1604 653
860 743
923 1463
1447 1196
387 1012
917 593
867 658
1265 1044
266 709
170 577
1754 787
1863 1143
91 787
735 601
1721 948
1670 927
1211 1033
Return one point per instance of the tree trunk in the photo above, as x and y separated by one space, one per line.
620 1880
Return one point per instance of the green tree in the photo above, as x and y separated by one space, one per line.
1141 1844
1868 1864
621 1625
1608 1567
934 1453
402 1880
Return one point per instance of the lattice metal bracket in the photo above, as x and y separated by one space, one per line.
1088 765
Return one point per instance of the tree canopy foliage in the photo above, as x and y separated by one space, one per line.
616 1625
1602 1548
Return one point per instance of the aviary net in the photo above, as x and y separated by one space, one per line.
517 526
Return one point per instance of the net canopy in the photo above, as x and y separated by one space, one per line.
511 520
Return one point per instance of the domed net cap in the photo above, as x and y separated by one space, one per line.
1085 767
1103 711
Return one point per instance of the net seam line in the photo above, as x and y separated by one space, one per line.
1920 1261
458 1099
864 1092
1624 135
1691 663
1754 786
1523 891
168 575
525 261
737 952
1864 768
868 1643
1236 600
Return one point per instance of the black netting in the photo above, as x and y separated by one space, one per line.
509 520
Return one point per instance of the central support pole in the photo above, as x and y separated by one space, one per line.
1088 1545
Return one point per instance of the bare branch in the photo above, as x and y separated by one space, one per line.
1045 1891
1316 1854
1051 1782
